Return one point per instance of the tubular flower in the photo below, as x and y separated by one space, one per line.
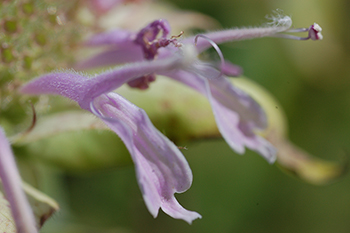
161 168
12 183
238 116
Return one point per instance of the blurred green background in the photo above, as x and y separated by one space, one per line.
243 193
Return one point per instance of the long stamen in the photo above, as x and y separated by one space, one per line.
216 47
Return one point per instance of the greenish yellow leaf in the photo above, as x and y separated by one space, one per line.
290 158
42 205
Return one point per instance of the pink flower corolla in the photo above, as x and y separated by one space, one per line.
161 168
238 116
12 185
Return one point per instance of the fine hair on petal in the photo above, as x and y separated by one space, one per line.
71 71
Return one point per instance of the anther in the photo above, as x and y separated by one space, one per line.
314 33
178 36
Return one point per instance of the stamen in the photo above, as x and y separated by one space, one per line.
314 33
173 39
216 47
178 36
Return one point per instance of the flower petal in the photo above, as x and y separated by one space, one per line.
83 90
237 114
12 184
161 168
238 132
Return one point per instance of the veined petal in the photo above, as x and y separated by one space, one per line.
232 97
12 183
161 168
225 93
237 114
237 132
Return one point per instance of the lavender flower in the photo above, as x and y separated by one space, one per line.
12 183
161 168
237 115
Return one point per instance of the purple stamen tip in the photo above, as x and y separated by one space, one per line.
315 32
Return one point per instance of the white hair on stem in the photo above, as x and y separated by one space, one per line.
279 19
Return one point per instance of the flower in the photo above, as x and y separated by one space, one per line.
238 116
12 183
161 168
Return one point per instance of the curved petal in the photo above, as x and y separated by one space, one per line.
161 168
237 131
237 114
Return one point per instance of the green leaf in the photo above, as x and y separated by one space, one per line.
42 206
7 223
55 124
290 158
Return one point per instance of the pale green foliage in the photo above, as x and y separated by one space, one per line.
36 36
42 205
